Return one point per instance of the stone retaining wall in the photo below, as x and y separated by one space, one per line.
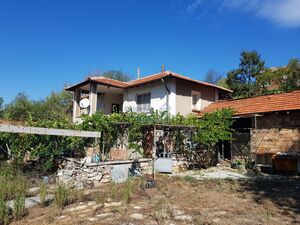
79 174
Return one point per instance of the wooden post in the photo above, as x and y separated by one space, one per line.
153 152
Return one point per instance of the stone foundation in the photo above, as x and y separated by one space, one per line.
80 175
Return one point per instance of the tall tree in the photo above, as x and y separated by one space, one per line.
243 80
213 76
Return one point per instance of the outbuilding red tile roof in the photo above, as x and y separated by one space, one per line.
141 81
260 104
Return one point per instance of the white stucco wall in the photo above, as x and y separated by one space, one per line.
158 96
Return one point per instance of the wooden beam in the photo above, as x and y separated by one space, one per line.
48 131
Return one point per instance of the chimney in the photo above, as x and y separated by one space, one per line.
138 73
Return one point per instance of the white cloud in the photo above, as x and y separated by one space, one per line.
281 12
194 5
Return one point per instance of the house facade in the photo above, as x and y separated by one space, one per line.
163 91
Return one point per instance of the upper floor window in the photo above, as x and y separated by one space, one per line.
143 102
196 100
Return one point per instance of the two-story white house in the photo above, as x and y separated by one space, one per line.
163 91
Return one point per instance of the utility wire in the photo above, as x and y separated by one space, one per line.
227 54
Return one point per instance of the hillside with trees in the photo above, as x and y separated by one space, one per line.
253 78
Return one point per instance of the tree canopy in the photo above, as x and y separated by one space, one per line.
116 75
243 79
282 79
55 106
253 78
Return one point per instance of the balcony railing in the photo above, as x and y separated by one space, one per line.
143 108
140 108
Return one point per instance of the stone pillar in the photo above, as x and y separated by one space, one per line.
93 98
76 107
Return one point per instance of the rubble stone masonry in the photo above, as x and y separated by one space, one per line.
276 132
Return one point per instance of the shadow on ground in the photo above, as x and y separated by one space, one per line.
282 191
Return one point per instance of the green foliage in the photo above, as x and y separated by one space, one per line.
114 74
243 80
57 106
223 83
283 79
214 127
20 109
47 149
252 78
208 131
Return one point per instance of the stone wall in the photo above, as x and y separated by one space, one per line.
79 174
277 132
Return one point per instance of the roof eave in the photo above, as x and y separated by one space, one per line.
89 80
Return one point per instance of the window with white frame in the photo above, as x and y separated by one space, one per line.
143 102
196 100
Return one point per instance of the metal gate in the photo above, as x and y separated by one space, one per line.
163 161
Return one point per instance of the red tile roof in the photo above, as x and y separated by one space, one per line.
259 104
142 81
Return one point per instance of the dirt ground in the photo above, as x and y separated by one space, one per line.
181 200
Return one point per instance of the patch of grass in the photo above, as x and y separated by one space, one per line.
114 191
190 179
19 206
61 195
13 186
12 182
52 212
128 190
3 212
43 192
76 195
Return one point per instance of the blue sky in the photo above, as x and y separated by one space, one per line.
45 44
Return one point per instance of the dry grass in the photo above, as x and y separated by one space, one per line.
207 202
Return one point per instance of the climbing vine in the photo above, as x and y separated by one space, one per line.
190 133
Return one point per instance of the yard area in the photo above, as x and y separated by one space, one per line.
180 200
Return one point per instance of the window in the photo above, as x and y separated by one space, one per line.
143 102
196 100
